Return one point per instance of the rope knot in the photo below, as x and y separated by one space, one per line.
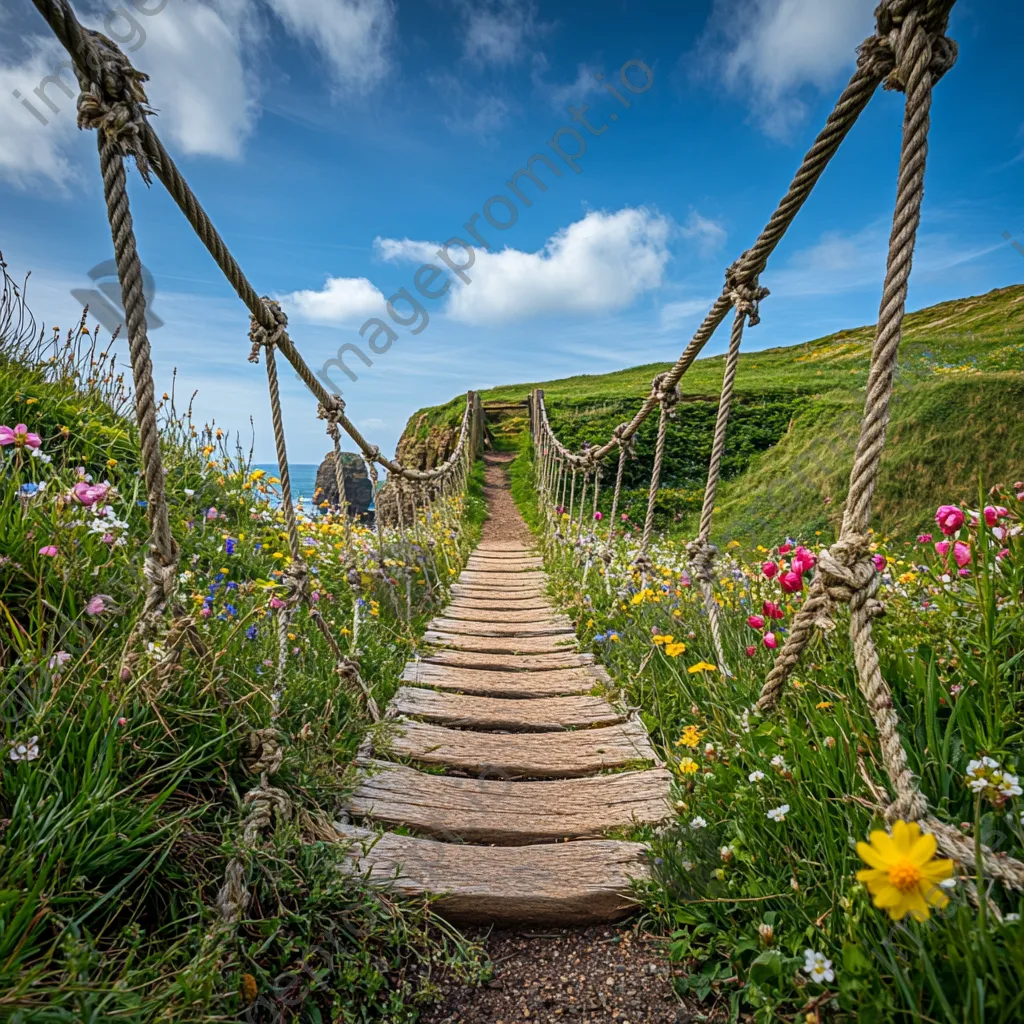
263 337
745 292
112 98
628 443
643 564
702 556
332 412
372 453
667 397
908 31
849 577
265 751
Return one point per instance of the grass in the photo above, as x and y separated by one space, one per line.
124 797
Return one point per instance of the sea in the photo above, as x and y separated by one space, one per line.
303 480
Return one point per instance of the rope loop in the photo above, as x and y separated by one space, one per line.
745 293
265 751
848 576
895 48
702 555
667 398
332 411
260 336
628 444
113 99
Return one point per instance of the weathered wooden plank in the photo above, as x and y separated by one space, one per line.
546 714
503 579
552 755
490 601
552 683
534 627
505 546
564 641
505 565
489 616
510 813
570 883
508 662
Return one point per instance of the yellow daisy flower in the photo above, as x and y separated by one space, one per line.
675 649
904 876
690 738
687 766
701 666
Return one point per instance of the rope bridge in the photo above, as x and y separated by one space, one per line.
113 102
909 52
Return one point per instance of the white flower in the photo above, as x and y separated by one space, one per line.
60 658
1008 785
948 883
189 493
745 720
709 749
777 762
698 822
726 853
28 751
779 813
818 966
755 776
1010 918
38 453
687 865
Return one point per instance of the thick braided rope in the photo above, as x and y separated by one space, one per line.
339 470
668 398
623 451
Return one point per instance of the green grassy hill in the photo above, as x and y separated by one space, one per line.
958 411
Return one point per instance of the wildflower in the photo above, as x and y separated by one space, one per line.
211 512
598 516
988 778
27 751
904 875
48 551
755 776
770 641
778 813
803 560
675 649
824 705
830 742
251 633
662 638
690 738
687 766
59 659
784 549
755 621
942 547
766 932
791 582
122 722
993 514
772 610
96 605
880 562
726 853
751 651
778 762
769 569
924 538
89 494
950 519
20 436
709 750
818 967
701 666
961 553
698 823
229 546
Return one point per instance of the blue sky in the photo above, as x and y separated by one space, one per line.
338 143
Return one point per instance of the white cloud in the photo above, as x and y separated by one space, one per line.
470 112
497 32
341 300
708 234
771 50
352 35
560 96
675 313
596 265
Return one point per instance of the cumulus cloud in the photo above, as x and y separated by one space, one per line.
774 50
596 265
708 235
341 300
353 36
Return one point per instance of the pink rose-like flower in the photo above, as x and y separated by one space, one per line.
791 582
1005 553
625 517
96 605
769 569
48 551
803 560
942 547
211 512
999 532
122 722
772 610
205 612
963 572
598 516
755 622
107 538
961 553
276 602
20 436
880 562
769 641
784 549
89 494
751 651
993 513
950 519
924 538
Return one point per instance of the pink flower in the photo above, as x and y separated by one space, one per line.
942 547
961 553
625 517
96 605
880 562
784 549
772 610
107 538
598 516
751 651
993 513
791 582
769 569
924 538
49 551
950 519
1005 553
211 512
122 722
205 612
276 602
20 436
769 641
963 572
755 622
803 560
89 494
999 532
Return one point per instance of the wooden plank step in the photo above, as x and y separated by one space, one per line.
506 546
495 564
520 591
508 662
503 579
545 714
549 644
484 683
536 627
510 813
552 755
568 883
489 601
493 616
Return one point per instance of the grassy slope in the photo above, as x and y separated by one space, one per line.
958 410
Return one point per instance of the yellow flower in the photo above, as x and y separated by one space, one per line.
687 766
660 639
824 705
31 401
904 875
257 474
674 650
111 463
690 738
277 554
701 666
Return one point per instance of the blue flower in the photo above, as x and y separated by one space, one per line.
232 585
231 609
208 601
142 504
229 546
257 546
218 577
251 633
28 489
